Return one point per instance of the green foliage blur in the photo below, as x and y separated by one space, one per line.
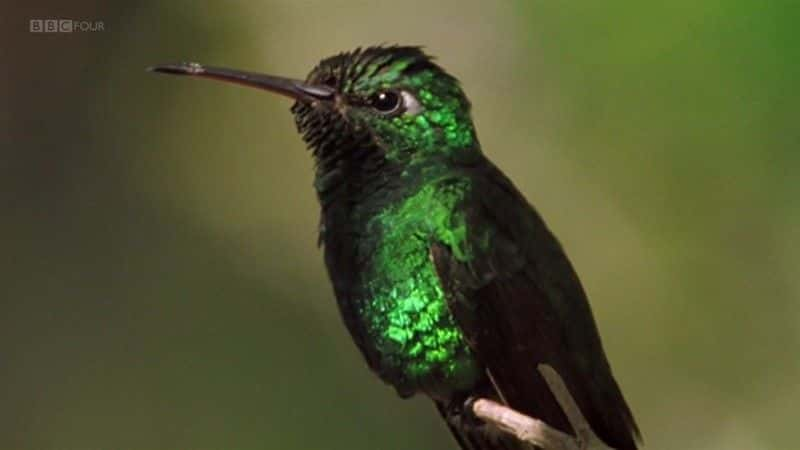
161 286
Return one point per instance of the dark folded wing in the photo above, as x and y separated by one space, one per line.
519 303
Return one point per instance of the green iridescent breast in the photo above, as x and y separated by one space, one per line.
406 315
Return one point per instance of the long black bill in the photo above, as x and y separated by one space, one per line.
295 89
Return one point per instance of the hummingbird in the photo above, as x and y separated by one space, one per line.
449 282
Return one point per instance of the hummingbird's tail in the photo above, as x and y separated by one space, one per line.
471 437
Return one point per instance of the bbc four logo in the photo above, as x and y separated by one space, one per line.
64 25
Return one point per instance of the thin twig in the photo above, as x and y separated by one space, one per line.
526 429
534 431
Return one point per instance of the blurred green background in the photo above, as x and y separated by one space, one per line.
161 285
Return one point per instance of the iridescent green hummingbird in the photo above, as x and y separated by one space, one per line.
449 282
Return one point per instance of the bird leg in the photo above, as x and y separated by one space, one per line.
461 412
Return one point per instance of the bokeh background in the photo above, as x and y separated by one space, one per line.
161 287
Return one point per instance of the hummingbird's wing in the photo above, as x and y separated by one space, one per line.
519 303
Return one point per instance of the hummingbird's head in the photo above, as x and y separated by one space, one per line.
369 109
396 99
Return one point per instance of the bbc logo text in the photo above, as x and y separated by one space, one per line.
65 26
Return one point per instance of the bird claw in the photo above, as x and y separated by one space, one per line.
460 412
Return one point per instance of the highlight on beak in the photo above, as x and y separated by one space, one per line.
295 89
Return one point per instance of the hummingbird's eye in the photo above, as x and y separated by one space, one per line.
386 102
329 81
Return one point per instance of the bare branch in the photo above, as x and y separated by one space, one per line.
524 428
534 431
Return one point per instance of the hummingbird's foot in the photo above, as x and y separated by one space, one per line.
468 417
460 412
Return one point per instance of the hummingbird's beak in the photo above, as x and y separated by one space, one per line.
295 89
